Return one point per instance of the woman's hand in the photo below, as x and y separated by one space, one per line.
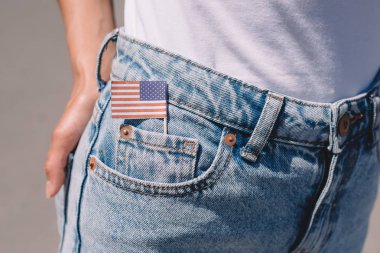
66 135
86 24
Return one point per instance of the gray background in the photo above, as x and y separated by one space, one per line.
35 85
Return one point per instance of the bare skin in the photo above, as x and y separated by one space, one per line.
86 23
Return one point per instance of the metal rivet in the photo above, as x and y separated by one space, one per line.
189 145
344 124
230 139
126 132
92 163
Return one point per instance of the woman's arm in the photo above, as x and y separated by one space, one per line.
86 23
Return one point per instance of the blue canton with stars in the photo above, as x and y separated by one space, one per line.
153 90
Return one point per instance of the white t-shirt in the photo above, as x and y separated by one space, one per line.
318 50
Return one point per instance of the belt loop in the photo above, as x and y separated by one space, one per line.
333 135
110 36
374 132
263 127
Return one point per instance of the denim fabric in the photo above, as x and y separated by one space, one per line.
292 182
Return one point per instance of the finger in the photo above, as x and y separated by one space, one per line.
55 173
55 167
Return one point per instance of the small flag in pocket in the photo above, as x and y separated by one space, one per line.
139 99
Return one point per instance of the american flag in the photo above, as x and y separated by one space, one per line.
139 99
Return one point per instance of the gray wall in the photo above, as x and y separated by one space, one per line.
35 84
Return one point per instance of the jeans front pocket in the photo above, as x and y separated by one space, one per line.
154 156
130 172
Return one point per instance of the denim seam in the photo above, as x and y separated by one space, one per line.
321 236
92 143
335 195
165 148
325 226
275 97
217 118
318 203
201 183
374 118
150 185
353 99
325 234
65 199
63 232
299 143
223 121
183 165
193 150
95 112
313 143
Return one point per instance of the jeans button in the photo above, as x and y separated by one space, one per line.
230 139
344 124
92 163
126 131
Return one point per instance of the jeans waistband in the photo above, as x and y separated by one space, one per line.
239 104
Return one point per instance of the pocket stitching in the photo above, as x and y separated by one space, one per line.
165 148
185 170
184 140
204 181
204 186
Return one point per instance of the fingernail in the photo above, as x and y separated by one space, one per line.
48 189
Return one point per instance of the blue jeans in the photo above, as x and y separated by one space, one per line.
240 170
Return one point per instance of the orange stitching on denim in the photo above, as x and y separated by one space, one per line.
165 148
166 194
167 188
256 149
209 114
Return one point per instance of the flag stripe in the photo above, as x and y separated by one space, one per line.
138 113
138 102
127 96
125 99
139 116
138 110
126 85
125 88
124 82
124 93
138 107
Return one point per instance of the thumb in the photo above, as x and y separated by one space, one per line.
55 166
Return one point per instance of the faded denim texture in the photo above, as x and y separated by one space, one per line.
291 182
